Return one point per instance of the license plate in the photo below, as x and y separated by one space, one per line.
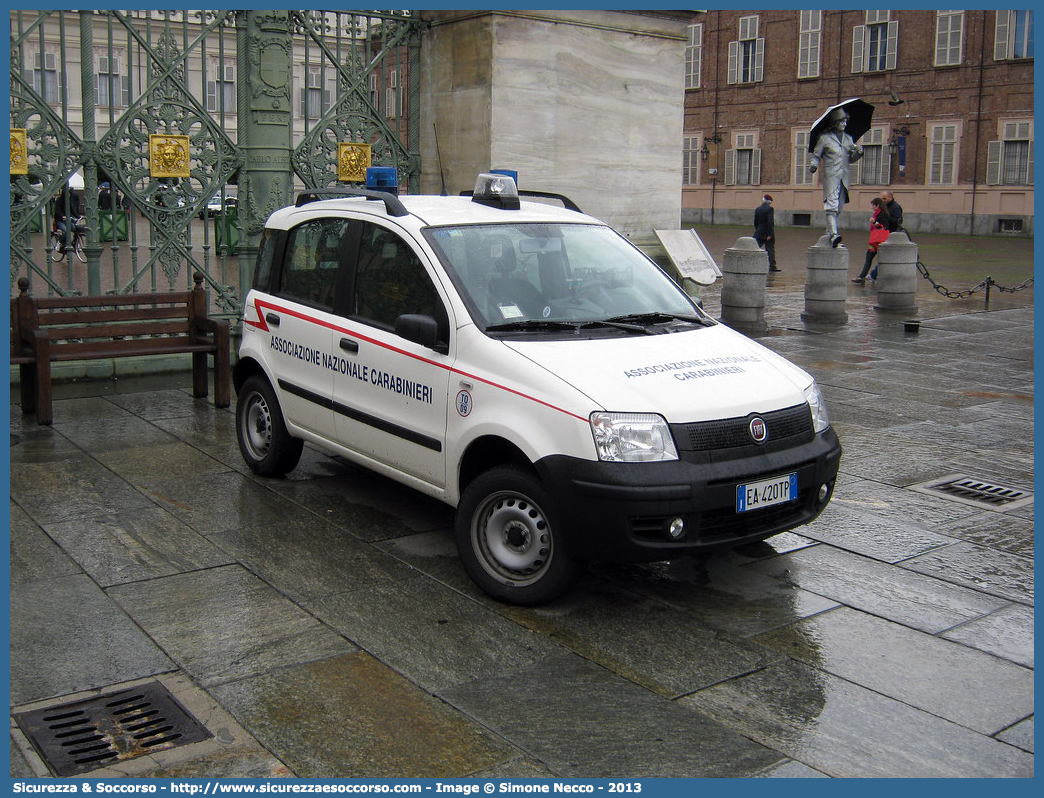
766 493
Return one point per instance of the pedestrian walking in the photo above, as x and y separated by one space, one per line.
765 230
895 212
880 222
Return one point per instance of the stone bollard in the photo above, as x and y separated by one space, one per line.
826 287
743 274
897 274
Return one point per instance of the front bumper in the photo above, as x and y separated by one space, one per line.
621 512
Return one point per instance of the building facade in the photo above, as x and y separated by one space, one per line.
952 131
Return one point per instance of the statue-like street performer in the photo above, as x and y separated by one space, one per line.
836 150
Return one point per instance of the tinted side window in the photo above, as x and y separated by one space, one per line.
263 267
391 281
313 261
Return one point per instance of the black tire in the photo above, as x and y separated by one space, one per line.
57 250
264 442
508 538
78 248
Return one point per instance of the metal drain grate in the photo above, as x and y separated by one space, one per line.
976 491
84 735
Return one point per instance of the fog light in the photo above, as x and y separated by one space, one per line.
824 492
676 529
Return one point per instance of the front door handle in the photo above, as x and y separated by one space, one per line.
272 319
348 345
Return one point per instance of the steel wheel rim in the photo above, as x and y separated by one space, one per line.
512 538
257 427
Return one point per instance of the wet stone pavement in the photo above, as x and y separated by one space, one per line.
322 626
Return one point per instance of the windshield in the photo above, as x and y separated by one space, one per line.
572 273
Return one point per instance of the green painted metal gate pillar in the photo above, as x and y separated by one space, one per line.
265 126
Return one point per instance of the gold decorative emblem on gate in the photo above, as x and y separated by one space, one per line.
19 151
352 161
168 155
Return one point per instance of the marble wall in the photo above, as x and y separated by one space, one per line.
584 103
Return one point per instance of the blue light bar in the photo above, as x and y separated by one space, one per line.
382 178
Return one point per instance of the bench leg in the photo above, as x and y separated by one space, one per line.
44 411
199 374
222 377
27 384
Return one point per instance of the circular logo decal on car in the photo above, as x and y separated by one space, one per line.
464 403
758 430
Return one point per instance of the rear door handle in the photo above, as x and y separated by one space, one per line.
272 319
348 345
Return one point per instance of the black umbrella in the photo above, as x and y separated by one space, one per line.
860 113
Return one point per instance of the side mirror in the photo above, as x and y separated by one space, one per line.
423 330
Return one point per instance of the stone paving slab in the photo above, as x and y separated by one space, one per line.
719 594
224 623
76 487
649 643
120 547
307 558
586 722
418 617
846 525
67 636
996 573
848 731
352 716
915 600
974 689
33 555
1006 633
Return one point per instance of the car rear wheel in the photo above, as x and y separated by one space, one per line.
266 445
508 538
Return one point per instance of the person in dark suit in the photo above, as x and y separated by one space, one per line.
765 230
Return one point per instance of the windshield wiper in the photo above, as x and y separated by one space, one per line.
534 324
659 317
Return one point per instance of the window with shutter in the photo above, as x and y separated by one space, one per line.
694 57
942 156
949 38
809 41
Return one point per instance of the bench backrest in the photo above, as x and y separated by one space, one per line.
170 314
112 316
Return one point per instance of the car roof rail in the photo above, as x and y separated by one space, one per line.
391 203
523 192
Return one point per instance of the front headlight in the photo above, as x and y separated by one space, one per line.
814 397
632 437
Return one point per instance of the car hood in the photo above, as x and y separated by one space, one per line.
695 375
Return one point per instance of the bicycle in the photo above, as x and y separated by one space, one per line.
58 246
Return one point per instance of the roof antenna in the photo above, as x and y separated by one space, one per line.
438 153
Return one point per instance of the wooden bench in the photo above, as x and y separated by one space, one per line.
118 325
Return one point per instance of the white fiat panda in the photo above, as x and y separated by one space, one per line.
529 366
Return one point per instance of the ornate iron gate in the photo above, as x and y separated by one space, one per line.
175 134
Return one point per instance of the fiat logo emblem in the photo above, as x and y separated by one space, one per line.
758 430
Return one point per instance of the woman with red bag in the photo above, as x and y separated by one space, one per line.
878 233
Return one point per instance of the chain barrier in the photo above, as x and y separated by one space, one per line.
985 285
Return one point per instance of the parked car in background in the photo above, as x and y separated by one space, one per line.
216 205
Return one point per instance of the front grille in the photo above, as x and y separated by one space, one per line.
788 426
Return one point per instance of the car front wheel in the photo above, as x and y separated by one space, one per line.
264 442
508 538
